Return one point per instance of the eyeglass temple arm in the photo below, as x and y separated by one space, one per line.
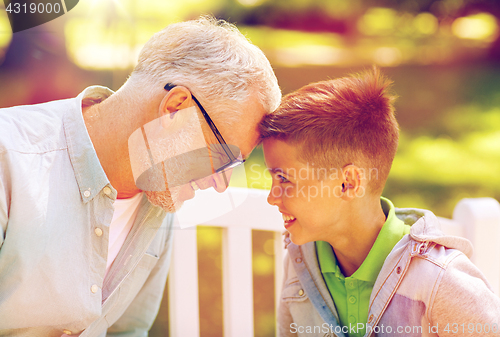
214 129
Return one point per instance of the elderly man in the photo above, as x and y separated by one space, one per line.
82 249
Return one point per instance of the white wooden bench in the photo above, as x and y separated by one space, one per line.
476 219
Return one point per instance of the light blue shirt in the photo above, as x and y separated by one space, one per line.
56 205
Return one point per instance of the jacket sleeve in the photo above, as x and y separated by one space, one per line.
285 318
138 318
464 304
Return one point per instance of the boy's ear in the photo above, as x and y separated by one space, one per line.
175 99
354 183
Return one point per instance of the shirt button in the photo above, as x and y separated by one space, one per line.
94 288
298 260
352 319
86 194
352 299
67 332
106 190
350 284
98 231
301 292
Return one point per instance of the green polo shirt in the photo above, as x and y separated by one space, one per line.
351 295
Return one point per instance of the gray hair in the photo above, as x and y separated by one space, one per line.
211 58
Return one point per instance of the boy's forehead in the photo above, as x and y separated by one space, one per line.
275 147
279 154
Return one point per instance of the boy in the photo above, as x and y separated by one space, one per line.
356 265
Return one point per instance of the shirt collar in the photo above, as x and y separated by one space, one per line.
327 260
89 173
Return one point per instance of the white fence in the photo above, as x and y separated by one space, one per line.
476 219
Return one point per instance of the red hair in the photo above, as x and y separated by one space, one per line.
339 122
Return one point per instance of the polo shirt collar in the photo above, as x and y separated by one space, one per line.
327 259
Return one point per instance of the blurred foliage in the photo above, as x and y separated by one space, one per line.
297 32
242 10
436 172
5 35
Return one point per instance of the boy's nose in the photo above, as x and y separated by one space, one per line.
274 196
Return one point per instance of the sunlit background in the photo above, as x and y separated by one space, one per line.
444 58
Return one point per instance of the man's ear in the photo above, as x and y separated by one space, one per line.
175 99
354 184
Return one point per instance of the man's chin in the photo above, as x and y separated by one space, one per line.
171 201
165 200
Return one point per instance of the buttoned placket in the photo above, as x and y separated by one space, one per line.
99 240
352 292
103 214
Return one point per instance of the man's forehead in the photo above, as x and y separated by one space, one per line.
244 131
249 144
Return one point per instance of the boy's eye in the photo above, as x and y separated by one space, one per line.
282 179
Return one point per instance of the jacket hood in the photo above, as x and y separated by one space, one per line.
425 227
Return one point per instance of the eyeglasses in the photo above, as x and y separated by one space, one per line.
230 155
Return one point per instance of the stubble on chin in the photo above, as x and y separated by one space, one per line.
164 199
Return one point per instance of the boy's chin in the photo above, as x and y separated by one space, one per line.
298 240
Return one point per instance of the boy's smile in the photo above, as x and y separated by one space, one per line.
288 219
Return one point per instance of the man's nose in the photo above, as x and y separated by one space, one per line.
221 180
